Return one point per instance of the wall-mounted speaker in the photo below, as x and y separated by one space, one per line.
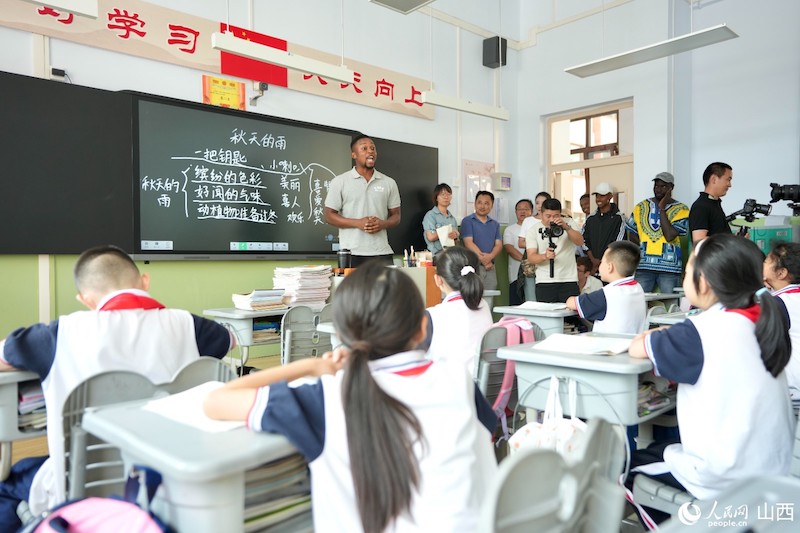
494 52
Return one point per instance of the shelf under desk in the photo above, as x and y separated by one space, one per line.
608 385
9 416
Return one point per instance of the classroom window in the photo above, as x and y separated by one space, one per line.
587 147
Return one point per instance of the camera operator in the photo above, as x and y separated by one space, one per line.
706 217
550 245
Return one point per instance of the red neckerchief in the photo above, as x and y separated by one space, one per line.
750 313
452 297
414 370
129 300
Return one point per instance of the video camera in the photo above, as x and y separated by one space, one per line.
749 211
553 232
790 193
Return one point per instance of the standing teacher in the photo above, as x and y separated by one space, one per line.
363 204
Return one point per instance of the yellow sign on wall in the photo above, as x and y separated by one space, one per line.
223 93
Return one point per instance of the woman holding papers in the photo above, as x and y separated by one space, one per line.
462 318
394 441
734 414
439 226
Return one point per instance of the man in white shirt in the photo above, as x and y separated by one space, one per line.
523 209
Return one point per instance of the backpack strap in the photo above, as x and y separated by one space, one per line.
517 330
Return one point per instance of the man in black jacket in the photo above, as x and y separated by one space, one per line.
604 226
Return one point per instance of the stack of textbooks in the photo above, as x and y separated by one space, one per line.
261 300
304 285
278 496
32 412
650 398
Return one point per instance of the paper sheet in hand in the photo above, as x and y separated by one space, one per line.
583 344
187 408
542 306
444 236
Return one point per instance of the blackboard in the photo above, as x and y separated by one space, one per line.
66 167
75 161
214 182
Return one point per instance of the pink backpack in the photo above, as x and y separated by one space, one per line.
518 331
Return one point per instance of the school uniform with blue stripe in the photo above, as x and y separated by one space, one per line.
619 307
735 418
456 459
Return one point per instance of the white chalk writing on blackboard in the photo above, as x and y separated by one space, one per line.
221 185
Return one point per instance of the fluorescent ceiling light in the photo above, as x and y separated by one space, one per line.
676 45
226 42
451 102
87 8
402 6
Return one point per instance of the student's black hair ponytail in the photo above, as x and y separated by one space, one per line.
378 312
733 267
458 267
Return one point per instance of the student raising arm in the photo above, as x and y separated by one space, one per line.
734 413
393 441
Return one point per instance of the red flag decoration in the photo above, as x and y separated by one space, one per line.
244 67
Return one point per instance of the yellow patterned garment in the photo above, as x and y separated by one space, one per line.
658 254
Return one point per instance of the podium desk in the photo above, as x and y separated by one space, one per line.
203 472
607 385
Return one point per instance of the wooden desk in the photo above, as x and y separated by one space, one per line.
608 385
551 321
9 413
203 473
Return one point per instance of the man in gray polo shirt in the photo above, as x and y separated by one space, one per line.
363 204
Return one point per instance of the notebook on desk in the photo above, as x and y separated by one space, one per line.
583 344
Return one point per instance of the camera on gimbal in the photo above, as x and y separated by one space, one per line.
554 231
749 211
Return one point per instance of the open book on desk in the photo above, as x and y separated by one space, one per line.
542 306
187 408
583 344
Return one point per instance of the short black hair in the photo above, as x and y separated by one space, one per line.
524 200
485 193
715 169
586 195
358 138
551 204
624 255
438 189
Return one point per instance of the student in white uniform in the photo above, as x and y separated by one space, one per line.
620 306
461 320
734 414
782 277
395 442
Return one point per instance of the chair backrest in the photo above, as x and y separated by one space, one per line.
199 371
535 489
656 310
94 468
490 369
299 336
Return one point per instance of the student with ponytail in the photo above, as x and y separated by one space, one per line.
462 318
394 441
734 414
